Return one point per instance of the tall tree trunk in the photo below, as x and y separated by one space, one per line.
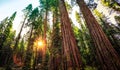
45 29
27 62
55 57
18 37
107 56
71 57
43 50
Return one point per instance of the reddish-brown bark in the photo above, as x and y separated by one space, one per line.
71 55
107 56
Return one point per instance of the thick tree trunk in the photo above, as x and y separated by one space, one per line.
71 57
107 56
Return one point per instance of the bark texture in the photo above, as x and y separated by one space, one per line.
71 54
107 56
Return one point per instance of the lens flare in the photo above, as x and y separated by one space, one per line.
39 43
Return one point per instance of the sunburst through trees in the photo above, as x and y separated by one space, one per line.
62 35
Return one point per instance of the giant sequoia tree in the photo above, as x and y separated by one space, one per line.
71 55
107 56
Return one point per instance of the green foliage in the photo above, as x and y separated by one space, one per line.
9 24
6 33
97 13
77 15
112 4
85 46
53 5
7 40
3 24
55 40
13 16
27 10
45 4
34 14
117 18
22 45
39 25
10 38
34 20
84 42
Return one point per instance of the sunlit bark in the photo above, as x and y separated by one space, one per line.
107 56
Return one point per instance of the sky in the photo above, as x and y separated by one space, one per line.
8 7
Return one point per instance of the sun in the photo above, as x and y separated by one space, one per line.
40 43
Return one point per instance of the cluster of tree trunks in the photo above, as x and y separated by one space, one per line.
65 56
